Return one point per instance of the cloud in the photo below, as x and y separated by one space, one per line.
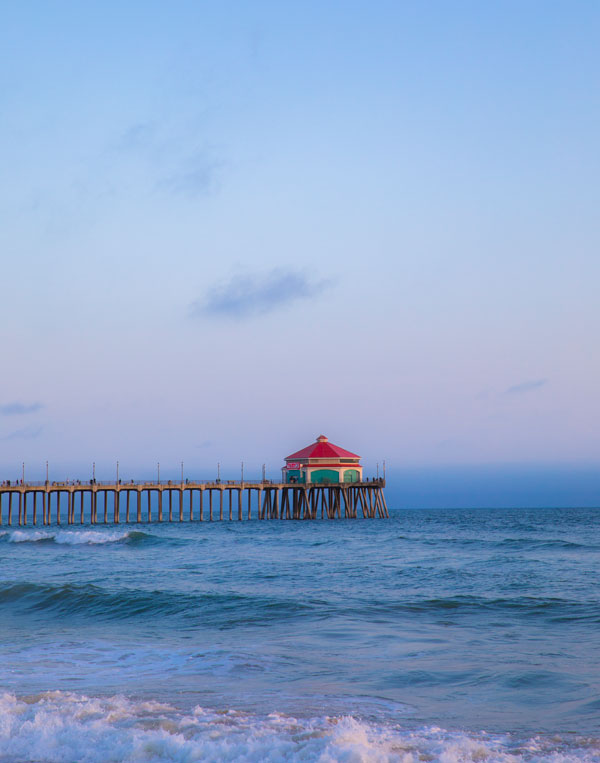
195 179
27 433
179 165
251 295
527 386
19 409
138 136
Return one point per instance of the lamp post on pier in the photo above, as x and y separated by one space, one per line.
46 472
182 472
117 472
158 471
94 472
242 472
23 474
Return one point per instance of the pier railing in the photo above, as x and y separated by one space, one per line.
18 484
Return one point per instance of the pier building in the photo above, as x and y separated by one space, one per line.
322 463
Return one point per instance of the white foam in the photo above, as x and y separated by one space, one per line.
68 537
59 727
92 537
29 536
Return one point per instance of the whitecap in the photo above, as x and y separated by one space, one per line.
62 727
68 537
89 537
30 536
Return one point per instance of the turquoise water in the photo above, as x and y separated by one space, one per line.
435 635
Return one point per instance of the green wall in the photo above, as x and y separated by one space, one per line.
324 475
351 475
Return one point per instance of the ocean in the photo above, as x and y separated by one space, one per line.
436 635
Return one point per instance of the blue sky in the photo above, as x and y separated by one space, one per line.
229 227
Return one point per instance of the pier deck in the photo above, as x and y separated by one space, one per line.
114 502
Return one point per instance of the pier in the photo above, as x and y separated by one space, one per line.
76 503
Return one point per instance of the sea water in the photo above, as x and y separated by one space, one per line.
435 635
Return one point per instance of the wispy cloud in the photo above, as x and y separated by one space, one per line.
250 295
527 386
180 166
137 136
196 177
26 433
19 409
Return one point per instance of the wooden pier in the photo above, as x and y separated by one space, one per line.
136 502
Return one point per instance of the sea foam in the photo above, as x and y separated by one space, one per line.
59 727
69 537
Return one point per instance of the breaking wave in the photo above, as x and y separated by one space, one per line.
77 537
59 727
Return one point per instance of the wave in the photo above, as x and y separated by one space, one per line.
228 610
545 543
78 537
520 544
553 609
224 610
64 727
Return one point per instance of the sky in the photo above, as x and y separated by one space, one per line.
227 228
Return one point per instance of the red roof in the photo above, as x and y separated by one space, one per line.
323 466
322 448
